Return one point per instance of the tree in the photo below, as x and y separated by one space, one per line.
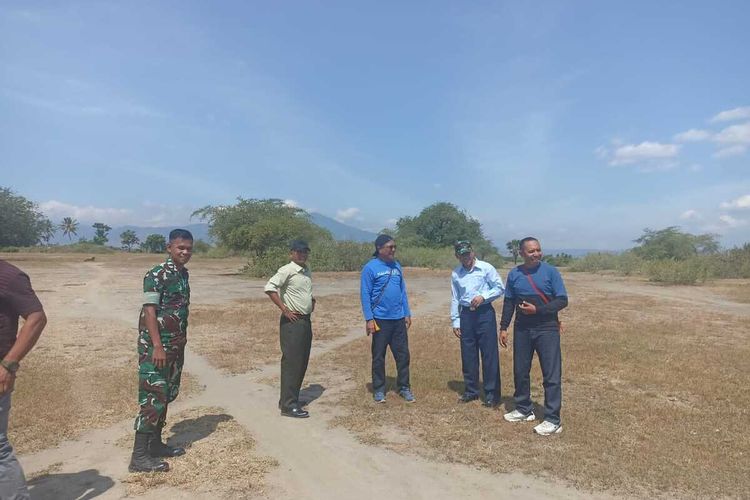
47 231
671 243
155 243
21 222
101 233
258 225
129 238
514 247
440 225
69 227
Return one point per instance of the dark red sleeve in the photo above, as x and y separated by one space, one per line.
21 296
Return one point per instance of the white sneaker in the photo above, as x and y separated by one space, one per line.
546 428
517 416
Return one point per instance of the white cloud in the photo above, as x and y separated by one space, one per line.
690 215
741 203
693 135
736 134
741 113
291 203
57 210
737 150
644 152
730 221
346 214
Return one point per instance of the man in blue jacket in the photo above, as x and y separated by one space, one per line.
387 315
535 292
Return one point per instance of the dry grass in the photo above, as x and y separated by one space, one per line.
244 335
218 448
655 402
735 290
73 382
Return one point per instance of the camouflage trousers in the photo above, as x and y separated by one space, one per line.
157 387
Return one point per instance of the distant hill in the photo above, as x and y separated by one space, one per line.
342 231
200 232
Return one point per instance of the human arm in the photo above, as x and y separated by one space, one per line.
292 316
404 298
559 300
272 289
455 315
365 294
495 284
159 355
27 337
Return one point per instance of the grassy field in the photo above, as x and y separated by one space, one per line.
655 401
654 390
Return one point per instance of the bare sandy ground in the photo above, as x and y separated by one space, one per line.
316 461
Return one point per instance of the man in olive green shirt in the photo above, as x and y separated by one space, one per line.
291 290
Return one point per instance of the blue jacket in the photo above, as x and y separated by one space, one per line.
393 303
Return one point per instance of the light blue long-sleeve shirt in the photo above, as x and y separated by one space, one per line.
482 279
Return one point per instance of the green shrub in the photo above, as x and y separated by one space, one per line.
351 256
594 262
678 272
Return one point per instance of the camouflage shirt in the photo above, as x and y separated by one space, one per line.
168 289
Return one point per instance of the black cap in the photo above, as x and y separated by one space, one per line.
299 245
462 247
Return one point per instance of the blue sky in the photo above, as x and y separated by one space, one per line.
579 122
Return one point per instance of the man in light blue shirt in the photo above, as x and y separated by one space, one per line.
474 285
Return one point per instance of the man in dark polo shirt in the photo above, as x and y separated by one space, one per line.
17 298
535 292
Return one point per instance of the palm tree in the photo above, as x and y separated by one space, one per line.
513 247
69 227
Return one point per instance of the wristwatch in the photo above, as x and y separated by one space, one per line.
11 366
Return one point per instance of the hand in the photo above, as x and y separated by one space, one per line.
477 301
503 339
457 332
313 306
407 320
370 327
527 308
7 380
292 316
159 357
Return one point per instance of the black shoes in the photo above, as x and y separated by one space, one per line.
157 448
490 403
295 412
467 398
142 461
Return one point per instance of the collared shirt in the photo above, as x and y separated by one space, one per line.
17 298
168 289
482 279
293 283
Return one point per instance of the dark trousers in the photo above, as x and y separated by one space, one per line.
479 336
546 343
296 340
392 333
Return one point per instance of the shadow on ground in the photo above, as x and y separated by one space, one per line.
188 431
310 393
70 486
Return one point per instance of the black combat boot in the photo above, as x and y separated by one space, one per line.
157 448
141 460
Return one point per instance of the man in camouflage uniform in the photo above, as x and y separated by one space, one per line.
161 352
